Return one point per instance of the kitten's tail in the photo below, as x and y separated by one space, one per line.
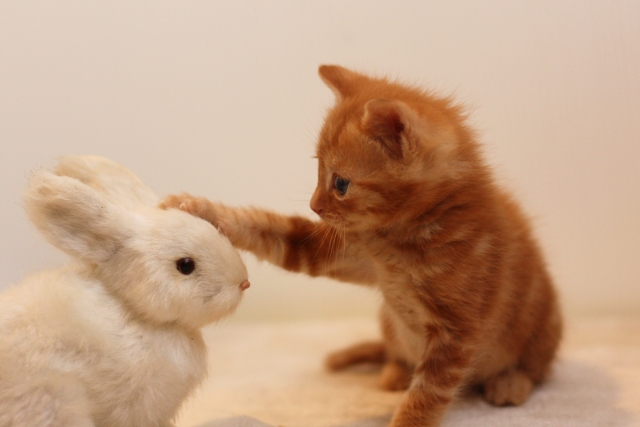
365 352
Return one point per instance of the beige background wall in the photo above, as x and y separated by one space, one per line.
221 98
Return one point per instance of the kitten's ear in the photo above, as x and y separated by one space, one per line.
341 81
388 122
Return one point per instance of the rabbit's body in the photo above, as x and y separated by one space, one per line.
59 323
114 339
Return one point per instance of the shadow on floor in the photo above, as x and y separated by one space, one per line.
576 395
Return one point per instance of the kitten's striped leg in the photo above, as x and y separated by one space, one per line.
291 242
267 235
436 381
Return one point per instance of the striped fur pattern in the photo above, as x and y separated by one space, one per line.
407 205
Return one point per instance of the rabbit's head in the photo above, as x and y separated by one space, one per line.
165 266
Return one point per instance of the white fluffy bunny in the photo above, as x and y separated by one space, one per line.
112 339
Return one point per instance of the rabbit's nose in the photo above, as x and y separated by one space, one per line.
244 285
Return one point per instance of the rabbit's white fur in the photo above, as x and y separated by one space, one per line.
113 338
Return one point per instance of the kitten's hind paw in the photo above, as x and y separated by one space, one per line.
508 388
366 352
395 376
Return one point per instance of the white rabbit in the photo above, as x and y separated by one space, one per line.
113 338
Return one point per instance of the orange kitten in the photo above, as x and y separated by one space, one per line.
407 204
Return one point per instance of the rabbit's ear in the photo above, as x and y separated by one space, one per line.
74 217
117 183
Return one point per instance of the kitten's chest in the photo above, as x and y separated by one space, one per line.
405 313
405 302
404 322
395 259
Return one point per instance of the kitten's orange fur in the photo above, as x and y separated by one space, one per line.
467 298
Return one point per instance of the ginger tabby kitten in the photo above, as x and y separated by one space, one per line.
407 204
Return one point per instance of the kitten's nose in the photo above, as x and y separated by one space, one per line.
315 204
245 285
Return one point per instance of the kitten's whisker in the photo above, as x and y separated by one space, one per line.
320 245
344 243
334 245
330 249
315 233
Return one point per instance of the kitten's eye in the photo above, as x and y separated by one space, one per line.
341 185
186 266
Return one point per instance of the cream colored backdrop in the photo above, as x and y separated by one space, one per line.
222 98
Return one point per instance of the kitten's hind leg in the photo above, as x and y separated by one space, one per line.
366 352
395 376
511 387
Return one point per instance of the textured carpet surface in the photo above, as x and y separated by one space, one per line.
264 375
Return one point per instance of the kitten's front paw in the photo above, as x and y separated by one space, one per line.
196 206
174 201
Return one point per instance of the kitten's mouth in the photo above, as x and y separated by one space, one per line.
332 220
341 224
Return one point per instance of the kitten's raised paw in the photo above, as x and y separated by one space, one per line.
196 206
508 388
174 200
394 377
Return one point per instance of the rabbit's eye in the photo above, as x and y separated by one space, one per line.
186 266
